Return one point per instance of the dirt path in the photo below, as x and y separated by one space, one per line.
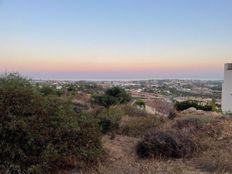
122 159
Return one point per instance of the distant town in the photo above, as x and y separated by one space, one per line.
159 95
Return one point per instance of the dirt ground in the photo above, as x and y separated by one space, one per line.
122 159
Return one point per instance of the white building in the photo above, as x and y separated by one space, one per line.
227 89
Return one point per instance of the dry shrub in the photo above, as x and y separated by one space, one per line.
166 144
109 119
190 124
138 126
133 111
214 129
227 127
216 160
194 125
218 156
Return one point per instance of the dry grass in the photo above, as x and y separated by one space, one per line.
133 111
214 134
215 160
138 126
218 157
122 159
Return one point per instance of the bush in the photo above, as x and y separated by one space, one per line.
112 96
138 126
140 103
133 111
215 160
192 124
109 119
218 155
41 133
168 144
48 90
180 106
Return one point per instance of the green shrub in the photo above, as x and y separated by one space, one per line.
140 103
112 96
180 106
47 90
41 133
109 119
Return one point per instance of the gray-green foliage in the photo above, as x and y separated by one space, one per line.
109 119
41 133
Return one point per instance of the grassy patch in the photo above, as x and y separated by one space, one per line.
138 126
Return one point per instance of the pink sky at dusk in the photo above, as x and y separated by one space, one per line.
121 39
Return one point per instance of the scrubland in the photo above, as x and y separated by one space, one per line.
43 131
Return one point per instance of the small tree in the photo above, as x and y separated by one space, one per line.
213 105
140 103
112 96
48 90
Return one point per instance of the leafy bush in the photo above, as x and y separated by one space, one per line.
140 103
180 106
109 119
48 90
168 144
42 133
112 96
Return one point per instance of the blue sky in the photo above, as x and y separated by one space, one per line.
116 38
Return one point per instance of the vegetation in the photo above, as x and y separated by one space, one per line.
44 132
133 111
138 126
39 134
140 103
109 119
213 105
166 144
215 160
180 106
112 96
49 90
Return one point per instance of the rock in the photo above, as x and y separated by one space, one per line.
200 112
189 110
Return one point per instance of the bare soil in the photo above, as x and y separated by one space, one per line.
122 159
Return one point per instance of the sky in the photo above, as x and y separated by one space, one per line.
116 39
